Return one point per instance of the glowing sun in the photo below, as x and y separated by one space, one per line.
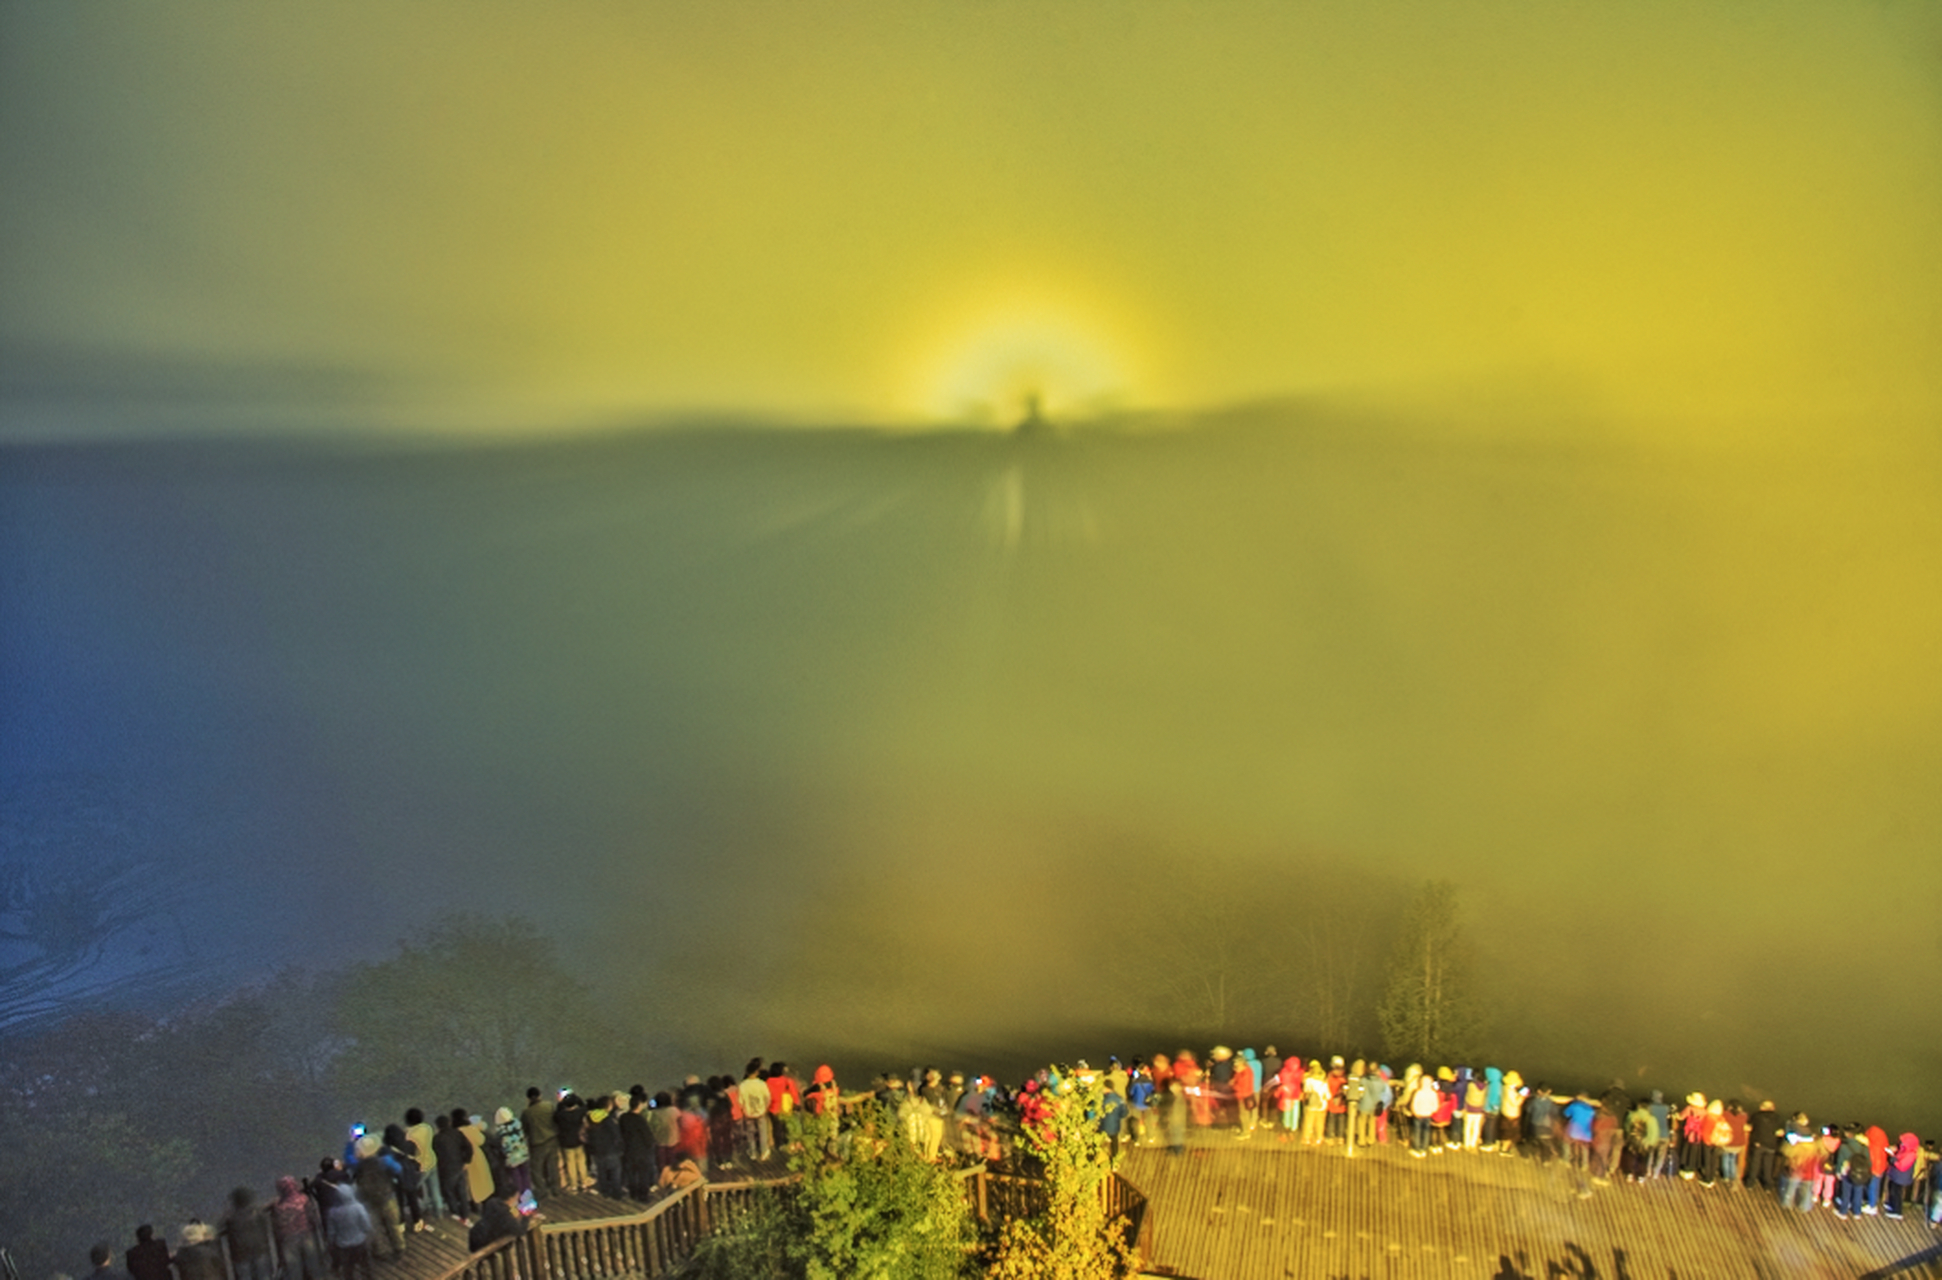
1009 367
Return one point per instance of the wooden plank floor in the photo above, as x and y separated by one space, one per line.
1266 1211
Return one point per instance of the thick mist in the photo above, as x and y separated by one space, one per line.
974 747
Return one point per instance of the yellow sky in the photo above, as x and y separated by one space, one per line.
922 208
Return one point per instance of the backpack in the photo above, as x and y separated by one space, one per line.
373 1180
413 1177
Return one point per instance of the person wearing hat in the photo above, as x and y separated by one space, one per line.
376 1177
198 1257
1220 1084
1336 1128
1314 1105
349 1227
1693 1124
1287 1095
1243 1086
1510 1114
298 1222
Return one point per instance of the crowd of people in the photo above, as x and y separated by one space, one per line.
1853 1169
390 1182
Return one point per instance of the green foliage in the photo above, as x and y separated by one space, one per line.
872 1207
62 1183
866 1206
1429 1012
751 1246
1071 1239
472 1015
109 1120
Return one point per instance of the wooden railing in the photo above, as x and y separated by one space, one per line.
644 1245
1011 1195
659 1240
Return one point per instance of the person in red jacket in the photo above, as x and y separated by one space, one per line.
1287 1094
1877 1166
1244 1095
1200 1101
785 1099
822 1093
1338 1106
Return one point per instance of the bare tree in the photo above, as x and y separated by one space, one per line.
1428 1010
1333 943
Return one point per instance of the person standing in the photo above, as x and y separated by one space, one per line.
298 1223
431 1196
1733 1158
1510 1114
1174 1102
454 1152
1244 1086
570 1127
1763 1140
754 1093
637 1148
1901 1172
510 1135
247 1233
1475 1094
1287 1096
351 1231
200 1257
149 1259
785 1099
604 1144
499 1219
478 1169
1422 1110
376 1177
541 1141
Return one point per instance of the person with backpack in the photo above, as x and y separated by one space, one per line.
376 1177
1855 1167
509 1135
403 1152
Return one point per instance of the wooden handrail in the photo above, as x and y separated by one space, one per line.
537 1256
658 1239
